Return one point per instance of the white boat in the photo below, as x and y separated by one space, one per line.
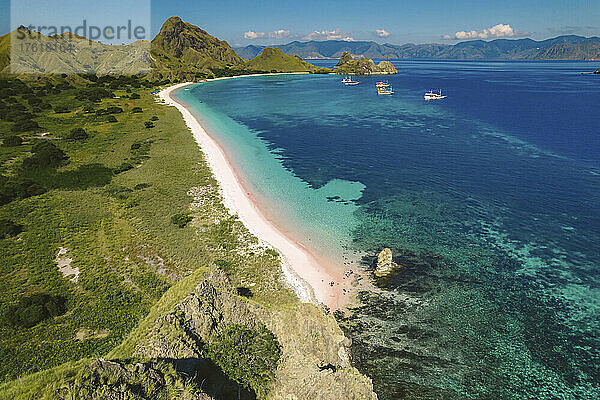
431 95
382 84
385 90
348 81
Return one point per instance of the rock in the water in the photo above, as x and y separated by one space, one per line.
385 263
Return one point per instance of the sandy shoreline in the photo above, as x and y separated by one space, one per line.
309 277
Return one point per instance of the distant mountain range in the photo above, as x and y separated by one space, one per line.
569 47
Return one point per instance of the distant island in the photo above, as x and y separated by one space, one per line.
363 66
569 47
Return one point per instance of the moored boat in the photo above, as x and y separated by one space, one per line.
349 81
431 95
387 90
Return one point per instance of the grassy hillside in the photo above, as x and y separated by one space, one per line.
109 220
68 54
108 202
272 59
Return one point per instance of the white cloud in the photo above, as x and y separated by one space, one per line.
335 34
496 31
253 35
279 34
382 33
276 34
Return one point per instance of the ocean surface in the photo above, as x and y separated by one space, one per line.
489 199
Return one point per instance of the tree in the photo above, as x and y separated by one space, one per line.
45 154
9 229
247 356
12 140
181 219
25 125
78 134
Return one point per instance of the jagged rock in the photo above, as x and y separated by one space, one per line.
204 312
385 263
309 338
365 66
387 67
344 59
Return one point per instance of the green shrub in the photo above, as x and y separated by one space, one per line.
126 166
61 109
134 96
181 219
148 124
247 356
111 118
33 309
12 190
26 125
154 118
9 229
136 110
45 154
77 134
12 140
94 94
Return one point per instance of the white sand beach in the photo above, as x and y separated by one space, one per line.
309 277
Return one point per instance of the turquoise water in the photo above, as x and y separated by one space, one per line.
488 199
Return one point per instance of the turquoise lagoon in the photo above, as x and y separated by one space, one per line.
489 200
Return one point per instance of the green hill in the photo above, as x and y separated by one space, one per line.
182 51
272 59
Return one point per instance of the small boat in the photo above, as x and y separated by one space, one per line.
349 82
385 90
382 84
431 95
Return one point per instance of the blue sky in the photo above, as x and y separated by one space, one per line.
426 21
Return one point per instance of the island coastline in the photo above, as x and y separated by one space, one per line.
309 276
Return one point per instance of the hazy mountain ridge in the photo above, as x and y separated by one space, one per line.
558 48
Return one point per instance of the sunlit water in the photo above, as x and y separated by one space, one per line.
488 198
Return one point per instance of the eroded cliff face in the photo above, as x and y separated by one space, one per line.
314 361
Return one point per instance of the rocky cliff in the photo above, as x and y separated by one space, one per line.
314 354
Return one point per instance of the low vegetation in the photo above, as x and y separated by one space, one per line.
95 194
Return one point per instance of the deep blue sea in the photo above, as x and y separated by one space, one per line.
489 199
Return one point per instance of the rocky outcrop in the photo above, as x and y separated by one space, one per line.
180 333
314 360
385 263
364 66
344 59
